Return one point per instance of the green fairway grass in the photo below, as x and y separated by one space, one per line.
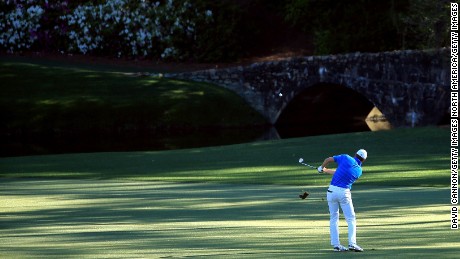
72 103
233 201
41 97
236 201
143 219
402 157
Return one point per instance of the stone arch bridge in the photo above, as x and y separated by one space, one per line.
411 88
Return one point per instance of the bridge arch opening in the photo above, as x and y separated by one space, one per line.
325 109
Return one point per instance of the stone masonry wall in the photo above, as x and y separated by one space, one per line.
410 87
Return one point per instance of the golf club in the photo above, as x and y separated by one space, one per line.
305 164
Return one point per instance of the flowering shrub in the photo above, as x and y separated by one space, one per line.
19 25
113 27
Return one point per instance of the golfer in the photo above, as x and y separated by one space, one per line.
338 194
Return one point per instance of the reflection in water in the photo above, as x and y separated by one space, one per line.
319 110
45 144
324 109
51 144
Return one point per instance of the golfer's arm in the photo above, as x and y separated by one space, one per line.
325 163
328 171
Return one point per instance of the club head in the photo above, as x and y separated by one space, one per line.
300 160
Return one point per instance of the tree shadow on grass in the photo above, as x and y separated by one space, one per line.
230 164
156 219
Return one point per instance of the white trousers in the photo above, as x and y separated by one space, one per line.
336 197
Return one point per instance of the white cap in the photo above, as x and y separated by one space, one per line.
362 153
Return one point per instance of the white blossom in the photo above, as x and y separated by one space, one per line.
139 29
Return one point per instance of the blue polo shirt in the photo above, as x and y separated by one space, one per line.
347 172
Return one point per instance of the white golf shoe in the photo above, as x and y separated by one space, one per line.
355 248
340 248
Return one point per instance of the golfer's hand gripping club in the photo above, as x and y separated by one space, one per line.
320 169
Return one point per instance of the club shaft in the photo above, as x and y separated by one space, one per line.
305 164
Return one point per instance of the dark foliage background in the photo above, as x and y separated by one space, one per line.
262 27
249 28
